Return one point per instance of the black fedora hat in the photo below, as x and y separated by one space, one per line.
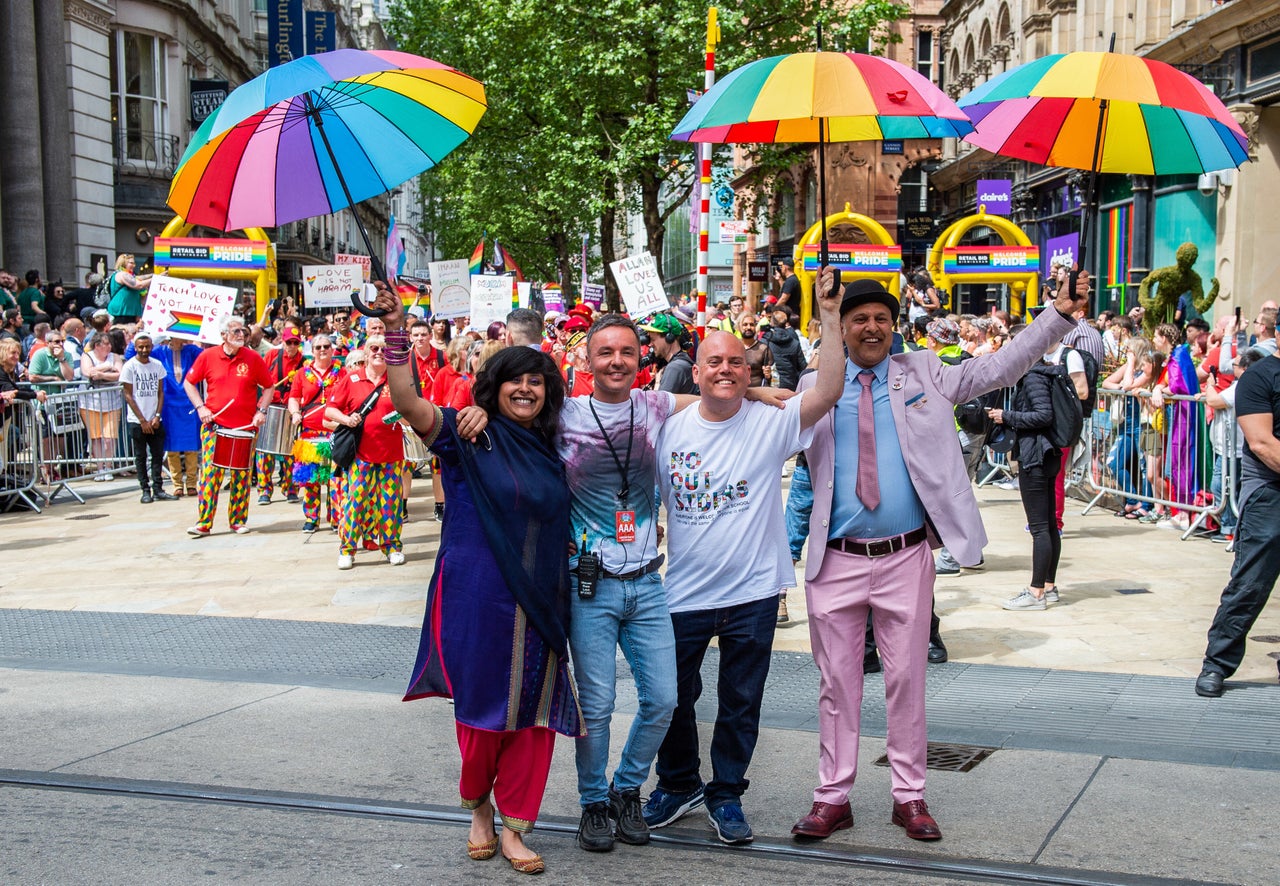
861 292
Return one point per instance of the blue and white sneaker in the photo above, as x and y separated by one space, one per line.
730 824
664 807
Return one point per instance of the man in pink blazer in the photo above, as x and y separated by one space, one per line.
870 517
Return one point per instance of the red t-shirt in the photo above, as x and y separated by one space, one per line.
313 385
379 443
426 369
460 394
230 380
446 375
282 367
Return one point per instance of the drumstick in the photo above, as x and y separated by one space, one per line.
219 412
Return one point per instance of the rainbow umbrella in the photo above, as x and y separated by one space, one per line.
822 97
1104 112
321 133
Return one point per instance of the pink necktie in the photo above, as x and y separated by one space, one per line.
868 487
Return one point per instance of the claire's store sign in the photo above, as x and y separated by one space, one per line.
996 194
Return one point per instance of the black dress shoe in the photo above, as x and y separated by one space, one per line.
146 497
1209 684
164 496
937 649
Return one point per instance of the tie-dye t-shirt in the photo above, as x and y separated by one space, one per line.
594 479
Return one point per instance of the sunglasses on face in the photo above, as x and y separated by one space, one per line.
375 349
322 347
238 331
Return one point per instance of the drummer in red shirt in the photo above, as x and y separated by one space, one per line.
370 511
283 363
311 463
237 392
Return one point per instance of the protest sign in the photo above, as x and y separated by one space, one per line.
593 295
490 299
552 298
330 286
363 261
187 308
523 288
451 288
640 285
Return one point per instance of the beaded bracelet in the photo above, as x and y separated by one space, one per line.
397 338
396 357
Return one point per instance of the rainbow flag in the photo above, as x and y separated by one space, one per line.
477 257
186 323
1119 244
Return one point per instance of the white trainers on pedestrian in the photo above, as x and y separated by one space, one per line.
346 561
240 530
1024 601
1051 594
396 558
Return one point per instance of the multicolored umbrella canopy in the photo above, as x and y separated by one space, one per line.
856 97
260 159
1158 120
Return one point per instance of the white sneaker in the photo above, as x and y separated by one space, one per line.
1051 595
241 530
1024 601
108 478
346 561
396 558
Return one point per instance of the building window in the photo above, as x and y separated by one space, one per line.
924 54
914 190
139 94
811 201
786 213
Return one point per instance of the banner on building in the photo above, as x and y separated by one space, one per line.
640 285
285 31
451 288
856 258
321 32
206 97
996 195
1066 247
917 227
979 260
758 271
330 286
211 253
187 308
734 232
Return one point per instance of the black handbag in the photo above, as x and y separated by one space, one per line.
347 439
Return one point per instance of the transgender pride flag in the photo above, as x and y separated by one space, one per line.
395 251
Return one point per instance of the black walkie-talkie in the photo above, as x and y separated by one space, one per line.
588 570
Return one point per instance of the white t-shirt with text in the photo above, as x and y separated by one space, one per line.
721 483
146 379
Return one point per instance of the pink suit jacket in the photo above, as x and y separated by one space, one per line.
927 434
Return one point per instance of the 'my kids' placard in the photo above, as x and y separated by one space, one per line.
490 299
330 286
640 285
187 308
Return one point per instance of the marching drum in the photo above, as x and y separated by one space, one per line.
415 451
278 432
233 449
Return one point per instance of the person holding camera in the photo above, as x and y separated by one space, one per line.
788 284
670 344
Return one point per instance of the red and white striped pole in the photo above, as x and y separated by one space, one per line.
705 150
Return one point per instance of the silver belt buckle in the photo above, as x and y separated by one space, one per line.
882 548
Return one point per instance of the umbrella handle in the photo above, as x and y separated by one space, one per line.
363 308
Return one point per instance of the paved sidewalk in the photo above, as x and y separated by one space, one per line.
1135 599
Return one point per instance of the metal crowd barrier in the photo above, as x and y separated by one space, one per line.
1134 444
70 453
20 456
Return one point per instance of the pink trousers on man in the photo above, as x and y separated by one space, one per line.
899 590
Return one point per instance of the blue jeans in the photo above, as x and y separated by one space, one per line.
1125 462
1228 516
745 633
631 614
799 507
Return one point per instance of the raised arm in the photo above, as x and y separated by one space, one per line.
421 414
829 384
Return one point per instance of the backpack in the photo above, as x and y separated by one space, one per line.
1068 414
102 295
971 416
1091 370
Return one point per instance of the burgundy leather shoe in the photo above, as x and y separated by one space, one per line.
914 816
824 820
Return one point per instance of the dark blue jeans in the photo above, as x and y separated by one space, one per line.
745 634
1253 576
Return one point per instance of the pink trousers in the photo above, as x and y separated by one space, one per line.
898 589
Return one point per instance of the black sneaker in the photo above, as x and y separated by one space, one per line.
595 833
439 515
624 808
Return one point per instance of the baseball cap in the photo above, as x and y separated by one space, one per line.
663 324
292 333
576 324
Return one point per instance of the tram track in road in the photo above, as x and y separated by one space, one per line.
904 863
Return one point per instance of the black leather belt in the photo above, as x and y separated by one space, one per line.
652 566
881 547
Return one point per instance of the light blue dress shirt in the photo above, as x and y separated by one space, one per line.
900 510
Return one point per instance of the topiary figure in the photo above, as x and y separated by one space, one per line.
1172 282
